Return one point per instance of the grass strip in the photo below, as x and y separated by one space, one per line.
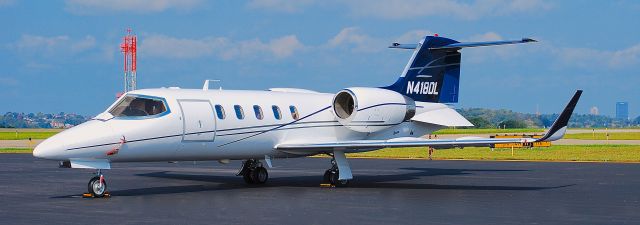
603 136
16 150
595 153
26 135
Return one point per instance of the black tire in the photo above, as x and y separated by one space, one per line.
333 177
342 183
95 189
260 175
248 178
326 179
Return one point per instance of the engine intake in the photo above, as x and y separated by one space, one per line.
371 109
344 104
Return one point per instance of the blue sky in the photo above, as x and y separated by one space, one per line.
64 55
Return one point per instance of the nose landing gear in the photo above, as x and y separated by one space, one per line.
253 172
97 186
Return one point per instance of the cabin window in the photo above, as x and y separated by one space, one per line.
258 111
220 112
133 105
294 112
276 112
239 112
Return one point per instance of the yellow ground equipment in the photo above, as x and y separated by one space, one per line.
521 145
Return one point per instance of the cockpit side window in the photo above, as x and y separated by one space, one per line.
138 106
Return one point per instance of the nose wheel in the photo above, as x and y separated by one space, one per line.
97 186
253 172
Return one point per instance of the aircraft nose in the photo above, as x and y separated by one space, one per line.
82 141
52 148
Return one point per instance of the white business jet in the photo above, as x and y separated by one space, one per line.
172 124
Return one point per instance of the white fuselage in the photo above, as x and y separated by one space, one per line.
190 129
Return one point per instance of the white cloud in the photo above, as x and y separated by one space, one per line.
225 48
280 47
280 5
53 45
88 42
413 36
626 57
488 36
43 52
406 9
587 57
84 7
171 47
40 42
285 46
353 38
463 10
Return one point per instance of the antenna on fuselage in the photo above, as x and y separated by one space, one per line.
205 87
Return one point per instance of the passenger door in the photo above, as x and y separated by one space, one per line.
199 122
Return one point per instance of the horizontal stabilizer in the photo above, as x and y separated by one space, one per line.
403 46
480 44
460 45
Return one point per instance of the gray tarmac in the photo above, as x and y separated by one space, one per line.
34 191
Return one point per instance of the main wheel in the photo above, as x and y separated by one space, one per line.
260 175
96 188
334 179
327 177
248 177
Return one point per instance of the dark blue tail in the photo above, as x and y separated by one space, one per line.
433 73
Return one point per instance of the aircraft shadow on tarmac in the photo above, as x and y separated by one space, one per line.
410 180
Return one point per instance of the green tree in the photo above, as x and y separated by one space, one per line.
480 122
512 124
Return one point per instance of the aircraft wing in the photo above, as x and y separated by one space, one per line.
555 132
349 146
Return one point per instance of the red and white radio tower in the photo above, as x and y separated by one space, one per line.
128 48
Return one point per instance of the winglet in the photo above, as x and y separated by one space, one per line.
559 126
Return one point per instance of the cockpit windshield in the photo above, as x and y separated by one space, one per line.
138 106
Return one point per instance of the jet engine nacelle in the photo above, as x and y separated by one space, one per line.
371 109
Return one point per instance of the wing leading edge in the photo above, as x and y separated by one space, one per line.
555 132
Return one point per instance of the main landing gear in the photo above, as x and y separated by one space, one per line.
332 175
253 172
97 186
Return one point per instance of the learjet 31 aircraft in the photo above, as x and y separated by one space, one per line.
173 124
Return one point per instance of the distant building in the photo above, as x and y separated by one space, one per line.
622 110
56 124
594 111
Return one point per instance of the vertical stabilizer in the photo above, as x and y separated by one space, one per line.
433 72
431 75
